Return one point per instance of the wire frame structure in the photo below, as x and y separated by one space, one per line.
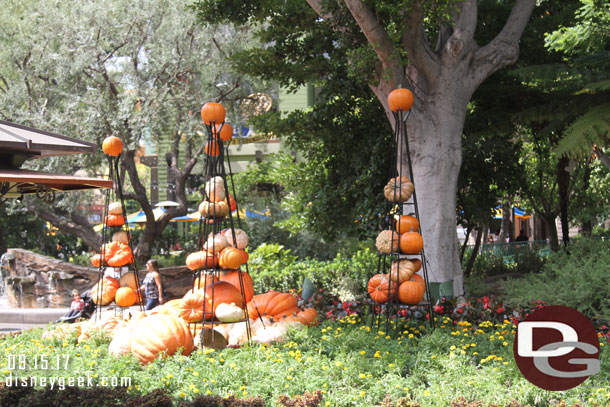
389 263
108 230
217 216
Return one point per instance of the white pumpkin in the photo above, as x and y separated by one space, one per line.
215 243
120 236
240 237
215 189
115 208
229 312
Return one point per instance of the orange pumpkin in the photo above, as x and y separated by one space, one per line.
309 316
160 333
411 243
204 279
225 132
400 99
232 277
125 297
212 148
201 260
407 223
411 292
419 279
122 257
213 113
244 255
232 203
103 291
114 220
112 146
191 307
230 258
273 304
379 287
218 293
96 260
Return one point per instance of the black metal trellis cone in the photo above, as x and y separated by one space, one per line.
116 194
212 225
392 307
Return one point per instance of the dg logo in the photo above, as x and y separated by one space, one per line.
556 348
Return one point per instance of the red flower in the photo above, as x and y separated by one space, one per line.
438 309
500 310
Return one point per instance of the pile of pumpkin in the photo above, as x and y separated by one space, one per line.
221 293
116 253
402 282
218 201
122 291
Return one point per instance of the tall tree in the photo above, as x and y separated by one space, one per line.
138 70
430 48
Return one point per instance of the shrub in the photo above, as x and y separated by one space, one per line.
578 278
273 267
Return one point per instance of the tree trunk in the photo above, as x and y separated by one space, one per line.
587 224
436 151
506 229
463 249
475 251
551 227
563 183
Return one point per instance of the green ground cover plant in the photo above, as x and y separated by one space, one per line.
578 277
347 361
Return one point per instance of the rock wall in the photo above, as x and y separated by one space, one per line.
36 281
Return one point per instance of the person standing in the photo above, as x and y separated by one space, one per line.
152 286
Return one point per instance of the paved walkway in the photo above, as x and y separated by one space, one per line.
17 319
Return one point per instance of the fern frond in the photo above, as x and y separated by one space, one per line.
591 128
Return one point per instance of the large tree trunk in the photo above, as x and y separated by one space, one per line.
436 151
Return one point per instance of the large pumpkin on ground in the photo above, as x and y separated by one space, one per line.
158 333
104 291
273 304
232 277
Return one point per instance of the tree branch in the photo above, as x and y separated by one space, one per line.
417 46
503 50
76 224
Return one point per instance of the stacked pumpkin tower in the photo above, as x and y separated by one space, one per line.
402 278
220 290
118 280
